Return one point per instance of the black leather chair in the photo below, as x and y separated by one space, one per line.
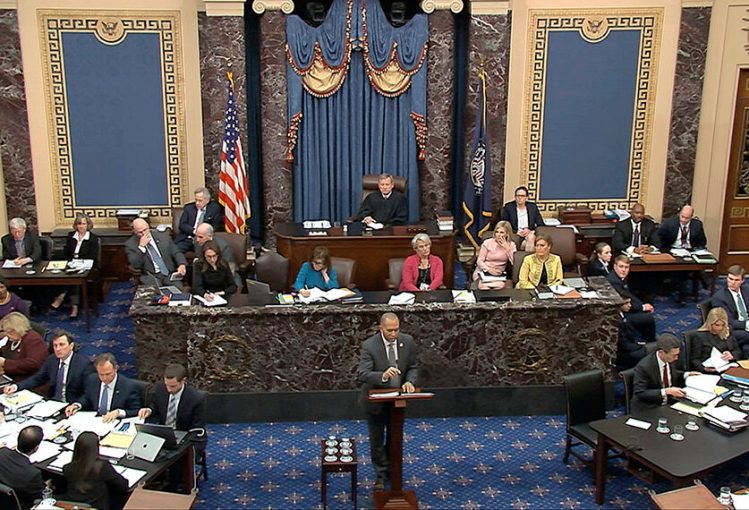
586 402
628 378
395 272
48 247
517 264
345 270
273 269
144 389
8 498
369 184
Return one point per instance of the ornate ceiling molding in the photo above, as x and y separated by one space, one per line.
285 6
429 6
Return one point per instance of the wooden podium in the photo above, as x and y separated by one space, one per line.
396 497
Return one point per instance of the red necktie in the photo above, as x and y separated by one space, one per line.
665 376
684 234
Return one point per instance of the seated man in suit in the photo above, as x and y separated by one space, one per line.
66 372
155 254
203 210
16 469
22 245
682 231
630 348
387 207
524 217
638 314
203 234
112 395
175 403
734 299
635 234
657 377
389 359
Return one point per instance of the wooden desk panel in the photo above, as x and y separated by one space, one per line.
371 252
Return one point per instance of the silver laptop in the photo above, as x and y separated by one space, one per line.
146 446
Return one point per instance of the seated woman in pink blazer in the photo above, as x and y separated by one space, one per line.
421 271
496 257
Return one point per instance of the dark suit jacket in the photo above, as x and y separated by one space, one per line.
126 395
104 485
169 252
510 213
623 234
89 249
648 382
622 288
31 245
191 410
595 268
374 361
214 214
701 344
723 298
79 369
668 232
17 472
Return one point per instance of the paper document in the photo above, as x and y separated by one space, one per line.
216 301
376 226
404 298
81 264
45 451
463 296
726 414
715 361
132 475
88 421
3 341
577 283
62 460
589 294
644 425
389 394
118 440
317 295
552 222
561 289
46 408
686 408
316 224
701 388
56 264
110 451
489 278
20 399
740 501
680 252
9 264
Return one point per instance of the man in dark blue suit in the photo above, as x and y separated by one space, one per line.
203 210
112 395
21 245
388 360
524 217
682 231
657 376
17 471
734 299
66 372
638 314
189 403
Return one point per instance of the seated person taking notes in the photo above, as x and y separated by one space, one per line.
714 333
495 257
541 268
317 272
421 271
387 207
213 276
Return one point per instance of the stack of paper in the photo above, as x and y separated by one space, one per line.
131 475
46 408
726 417
81 264
404 298
715 361
463 296
87 421
46 450
318 295
62 460
701 388
20 399
489 278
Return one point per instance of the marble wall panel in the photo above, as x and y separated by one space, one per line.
685 111
316 348
490 43
277 175
14 126
221 43
435 170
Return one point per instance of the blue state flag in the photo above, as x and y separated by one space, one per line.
477 206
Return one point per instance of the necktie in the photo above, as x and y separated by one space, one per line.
741 306
684 234
395 382
19 249
201 215
103 407
171 412
158 262
636 236
665 376
60 382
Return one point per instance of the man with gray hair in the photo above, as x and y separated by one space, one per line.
21 246
387 207
203 210
203 234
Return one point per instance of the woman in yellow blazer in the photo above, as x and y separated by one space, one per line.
541 268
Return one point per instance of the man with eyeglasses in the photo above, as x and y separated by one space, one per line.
524 217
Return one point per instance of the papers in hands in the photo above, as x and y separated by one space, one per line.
701 388
376 226
489 278
715 361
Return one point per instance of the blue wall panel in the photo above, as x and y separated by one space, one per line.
116 117
588 111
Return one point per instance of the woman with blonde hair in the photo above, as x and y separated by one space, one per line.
24 353
496 257
543 268
714 333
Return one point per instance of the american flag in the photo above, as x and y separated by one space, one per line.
232 188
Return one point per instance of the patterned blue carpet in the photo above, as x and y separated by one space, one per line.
476 463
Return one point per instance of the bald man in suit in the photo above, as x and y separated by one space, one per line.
389 359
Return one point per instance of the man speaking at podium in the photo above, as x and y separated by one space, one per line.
388 360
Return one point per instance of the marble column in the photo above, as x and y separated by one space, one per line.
15 143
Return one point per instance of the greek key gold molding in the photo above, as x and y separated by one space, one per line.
51 25
540 23
224 7
285 6
429 6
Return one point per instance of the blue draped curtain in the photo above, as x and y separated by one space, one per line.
356 106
